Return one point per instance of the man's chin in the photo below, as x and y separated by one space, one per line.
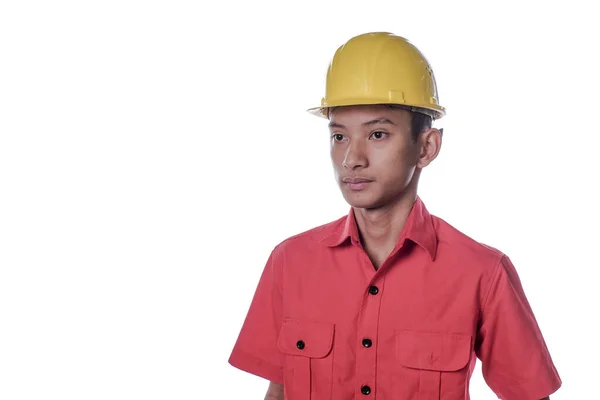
362 201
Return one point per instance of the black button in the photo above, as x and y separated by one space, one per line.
373 290
300 344
367 342
365 390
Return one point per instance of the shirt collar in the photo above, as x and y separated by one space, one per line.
418 228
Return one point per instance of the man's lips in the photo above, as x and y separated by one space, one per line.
357 183
356 180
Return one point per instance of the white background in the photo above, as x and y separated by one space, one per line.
153 153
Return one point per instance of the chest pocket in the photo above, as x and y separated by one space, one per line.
307 346
434 364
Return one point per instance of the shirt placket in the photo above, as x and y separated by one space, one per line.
367 334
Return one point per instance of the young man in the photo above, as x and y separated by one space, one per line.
389 302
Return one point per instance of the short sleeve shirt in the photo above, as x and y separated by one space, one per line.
327 325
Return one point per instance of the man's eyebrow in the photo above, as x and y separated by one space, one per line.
378 121
335 125
368 123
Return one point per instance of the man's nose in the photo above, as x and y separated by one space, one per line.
355 157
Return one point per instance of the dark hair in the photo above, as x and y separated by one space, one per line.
420 122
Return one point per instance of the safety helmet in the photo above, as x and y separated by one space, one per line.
380 68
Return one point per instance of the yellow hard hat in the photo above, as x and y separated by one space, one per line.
380 68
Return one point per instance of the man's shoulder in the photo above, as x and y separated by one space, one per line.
455 241
312 236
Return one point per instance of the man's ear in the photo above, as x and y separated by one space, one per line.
430 147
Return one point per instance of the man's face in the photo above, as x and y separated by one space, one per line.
373 153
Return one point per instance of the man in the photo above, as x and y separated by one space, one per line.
389 302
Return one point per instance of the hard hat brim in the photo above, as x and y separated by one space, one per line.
436 113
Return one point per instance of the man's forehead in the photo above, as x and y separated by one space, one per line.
367 115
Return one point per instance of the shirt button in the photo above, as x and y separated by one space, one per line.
373 290
365 390
300 344
367 342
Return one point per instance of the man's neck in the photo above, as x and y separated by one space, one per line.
380 229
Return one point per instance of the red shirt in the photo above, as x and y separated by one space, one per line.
328 326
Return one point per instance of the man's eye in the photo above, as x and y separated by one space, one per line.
378 135
338 137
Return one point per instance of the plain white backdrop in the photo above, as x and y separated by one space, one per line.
153 153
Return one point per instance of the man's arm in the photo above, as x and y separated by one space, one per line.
256 350
515 360
275 392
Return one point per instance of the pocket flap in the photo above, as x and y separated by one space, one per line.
434 351
305 338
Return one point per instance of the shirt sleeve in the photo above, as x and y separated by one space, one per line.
255 350
516 363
